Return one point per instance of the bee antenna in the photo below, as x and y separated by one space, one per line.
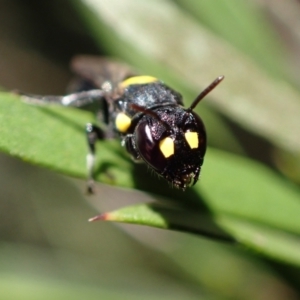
205 92
150 113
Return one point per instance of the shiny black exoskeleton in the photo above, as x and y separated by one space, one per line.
147 114
178 161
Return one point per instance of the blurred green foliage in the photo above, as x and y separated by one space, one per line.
249 189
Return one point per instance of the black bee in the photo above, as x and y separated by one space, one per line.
148 115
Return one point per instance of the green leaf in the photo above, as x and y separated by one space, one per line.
53 136
242 187
222 18
36 134
165 217
230 185
264 240
245 199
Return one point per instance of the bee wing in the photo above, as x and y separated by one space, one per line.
99 70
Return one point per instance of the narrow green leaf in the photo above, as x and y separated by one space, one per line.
166 218
241 23
37 133
242 187
261 239
53 136
264 240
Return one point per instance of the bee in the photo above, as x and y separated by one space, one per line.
147 115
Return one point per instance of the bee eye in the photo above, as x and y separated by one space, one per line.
155 152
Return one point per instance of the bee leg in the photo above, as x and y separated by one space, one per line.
93 134
78 99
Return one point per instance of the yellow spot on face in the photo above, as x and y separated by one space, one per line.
192 139
138 80
122 122
166 146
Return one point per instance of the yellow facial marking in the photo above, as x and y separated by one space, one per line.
192 139
166 146
137 80
122 122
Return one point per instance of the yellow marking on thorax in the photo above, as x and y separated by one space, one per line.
166 146
138 80
122 122
192 139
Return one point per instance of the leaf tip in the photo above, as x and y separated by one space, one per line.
101 217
